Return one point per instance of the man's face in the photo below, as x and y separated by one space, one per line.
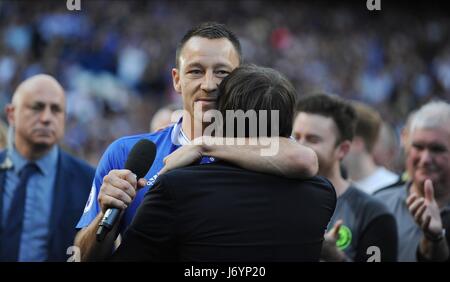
203 63
428 157
319 133
38 115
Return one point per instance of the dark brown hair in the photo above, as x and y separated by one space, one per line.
251 87
210 30
342 112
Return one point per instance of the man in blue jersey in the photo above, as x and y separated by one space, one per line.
220 220
205 55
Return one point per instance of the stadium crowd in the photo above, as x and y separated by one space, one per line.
370 127
113 58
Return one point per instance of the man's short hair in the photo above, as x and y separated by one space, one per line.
368 123
433 115
209 30
331 106
251 87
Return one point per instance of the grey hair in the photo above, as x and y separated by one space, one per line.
435 114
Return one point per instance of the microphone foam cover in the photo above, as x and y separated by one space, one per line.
141 157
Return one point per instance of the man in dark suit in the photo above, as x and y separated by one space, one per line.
42 189
220 212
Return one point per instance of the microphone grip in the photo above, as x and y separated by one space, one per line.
109 219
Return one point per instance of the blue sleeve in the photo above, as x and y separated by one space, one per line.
113 158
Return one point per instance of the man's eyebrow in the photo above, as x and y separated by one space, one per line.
41 103
36 102
435 146
199 65
313 135
219 65
194 65
428 145
55 105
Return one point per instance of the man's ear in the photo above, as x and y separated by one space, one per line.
9 110
176 80
404 138
343 149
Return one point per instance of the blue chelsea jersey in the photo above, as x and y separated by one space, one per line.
166 141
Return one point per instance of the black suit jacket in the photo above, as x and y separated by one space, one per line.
218 212
72 185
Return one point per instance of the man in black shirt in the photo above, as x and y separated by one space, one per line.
363 229
219 212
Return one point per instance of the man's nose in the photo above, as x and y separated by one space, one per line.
426 157
46 115
210 82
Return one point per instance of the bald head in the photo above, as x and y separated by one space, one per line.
37 115
38 83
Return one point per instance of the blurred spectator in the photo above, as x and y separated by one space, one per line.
43 189
395 62
166 116
386 147
405 146
359 162
422 205
327 124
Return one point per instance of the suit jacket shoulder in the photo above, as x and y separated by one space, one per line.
71 190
